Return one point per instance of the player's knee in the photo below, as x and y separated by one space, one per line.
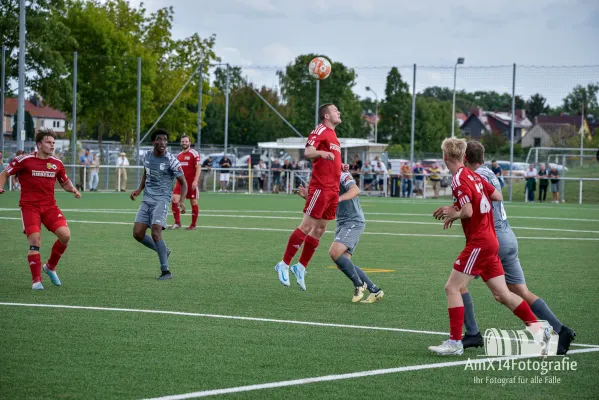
451 290
35 241
501 297
139 236
156 236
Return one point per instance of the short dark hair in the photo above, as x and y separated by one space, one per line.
493 160
42 133
186 136
322 110
159 132
475 153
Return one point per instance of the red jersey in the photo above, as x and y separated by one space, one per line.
469 187
37 177
189 159
325 173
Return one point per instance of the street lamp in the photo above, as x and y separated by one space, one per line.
455 71
376 112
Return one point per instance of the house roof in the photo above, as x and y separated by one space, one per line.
561 130
493 120
11 103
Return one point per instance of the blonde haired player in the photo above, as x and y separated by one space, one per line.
472 207
190 163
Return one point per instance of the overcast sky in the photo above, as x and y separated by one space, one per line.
371 35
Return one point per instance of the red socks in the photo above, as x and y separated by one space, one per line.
456 322
57 251
176 213
295 242
195 211
35 265
524 312
310 245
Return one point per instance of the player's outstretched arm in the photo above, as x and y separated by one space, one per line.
183 184
68 187
353 191
142 185
3 178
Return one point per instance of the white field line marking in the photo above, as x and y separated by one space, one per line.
242 228
337 377
299 213
241 318
263 217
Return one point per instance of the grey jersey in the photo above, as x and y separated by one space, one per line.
350 210
160 172
499 216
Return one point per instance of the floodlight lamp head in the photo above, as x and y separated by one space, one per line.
461 60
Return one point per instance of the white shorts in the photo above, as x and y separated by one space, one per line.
224 177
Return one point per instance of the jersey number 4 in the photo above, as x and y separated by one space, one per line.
485 205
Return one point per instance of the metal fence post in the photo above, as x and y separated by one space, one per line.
512 129
138 119
226 112
74 118
413 124
3 75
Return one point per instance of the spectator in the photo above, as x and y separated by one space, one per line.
406 180
368 177
531 183
276 175
543 182
94 170
381 173
554 176
419 174
259 174
435 179
286 175
85 161
224 164
297 180
496 169
206 169
121 172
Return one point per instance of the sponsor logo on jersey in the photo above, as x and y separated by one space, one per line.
43 174
187 157
335 147
184 163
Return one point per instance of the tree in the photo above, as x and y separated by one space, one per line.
582 96
236 80
299 93
536 106
395 110
431 124
29 127
44 29
250 119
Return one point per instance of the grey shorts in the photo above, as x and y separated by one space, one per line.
418 185
554 187
348 234
152 213
508 253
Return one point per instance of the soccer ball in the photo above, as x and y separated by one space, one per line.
319 68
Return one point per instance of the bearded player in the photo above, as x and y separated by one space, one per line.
324 151
190 162
480 256
38 173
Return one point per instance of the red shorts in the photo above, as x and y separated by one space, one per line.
33 218
479 261
191 194
321 203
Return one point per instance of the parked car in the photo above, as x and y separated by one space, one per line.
216 157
